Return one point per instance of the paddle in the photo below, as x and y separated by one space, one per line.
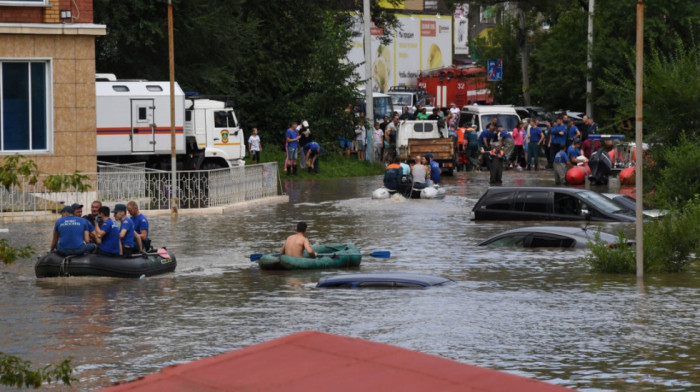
380 254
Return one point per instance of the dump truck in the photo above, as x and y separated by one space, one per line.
422 137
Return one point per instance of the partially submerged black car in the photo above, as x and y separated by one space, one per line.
382 280
548 203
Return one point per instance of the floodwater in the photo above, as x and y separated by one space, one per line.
536 313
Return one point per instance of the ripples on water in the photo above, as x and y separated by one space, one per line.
537 313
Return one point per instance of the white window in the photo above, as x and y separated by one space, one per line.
25 2
25 106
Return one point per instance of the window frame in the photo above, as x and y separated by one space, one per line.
48 105
25 3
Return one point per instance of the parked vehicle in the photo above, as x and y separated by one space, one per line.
480 116
409 96
549 237
383 280
461 85
133 124
548 203
381 103
628 202
420 137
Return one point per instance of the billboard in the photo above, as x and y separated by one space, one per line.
423 42
461 38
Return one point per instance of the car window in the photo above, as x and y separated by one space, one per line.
532 201
498 201
516 239
466 119
599 201
566 204
551 241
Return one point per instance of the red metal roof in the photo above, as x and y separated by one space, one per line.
316 361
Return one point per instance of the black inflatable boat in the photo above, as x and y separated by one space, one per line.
148 264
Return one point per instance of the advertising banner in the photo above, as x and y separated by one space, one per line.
423 42
461 28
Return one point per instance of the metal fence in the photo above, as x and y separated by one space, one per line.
151 189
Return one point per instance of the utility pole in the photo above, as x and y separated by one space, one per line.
638 116
589 60
173 162
369 103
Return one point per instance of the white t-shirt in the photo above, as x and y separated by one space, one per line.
254 142
455 110
378 137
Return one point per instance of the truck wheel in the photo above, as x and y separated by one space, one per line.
210 165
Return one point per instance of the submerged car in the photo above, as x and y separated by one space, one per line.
630 203
548 203
383 280
549 237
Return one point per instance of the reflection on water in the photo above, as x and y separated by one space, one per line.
537 313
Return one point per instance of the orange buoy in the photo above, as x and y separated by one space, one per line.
627 176
576 175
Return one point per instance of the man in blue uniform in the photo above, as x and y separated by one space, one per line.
434 169
140 225
71 234
126 234
533 147
574 152
107 234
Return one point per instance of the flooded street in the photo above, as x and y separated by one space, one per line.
536 313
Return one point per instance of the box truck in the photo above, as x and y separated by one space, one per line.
133 124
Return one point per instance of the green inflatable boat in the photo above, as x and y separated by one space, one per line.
330 256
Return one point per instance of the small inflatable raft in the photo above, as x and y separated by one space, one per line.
52 264
330 256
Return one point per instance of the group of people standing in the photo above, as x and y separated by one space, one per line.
96 232
298 136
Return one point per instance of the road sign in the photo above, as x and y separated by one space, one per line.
495 70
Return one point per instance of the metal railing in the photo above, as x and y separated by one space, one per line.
151 189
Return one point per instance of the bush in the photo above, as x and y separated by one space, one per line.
670 244
674 174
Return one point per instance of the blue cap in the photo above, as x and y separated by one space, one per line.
67 209
119 207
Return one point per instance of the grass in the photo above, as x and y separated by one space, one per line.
331 165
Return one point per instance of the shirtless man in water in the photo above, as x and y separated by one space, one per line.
296 243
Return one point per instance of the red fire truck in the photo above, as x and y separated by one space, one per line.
461 85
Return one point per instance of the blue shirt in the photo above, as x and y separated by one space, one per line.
572 132
535 134
561 157
71 230
110 241
434 172
313 146
505 134
558 138
128 225
573 152
292 134
140 223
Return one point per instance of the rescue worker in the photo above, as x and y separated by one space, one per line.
71 235
107 233
496 156
128 239
140 225
434 169
561 165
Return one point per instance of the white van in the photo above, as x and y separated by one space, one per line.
479 116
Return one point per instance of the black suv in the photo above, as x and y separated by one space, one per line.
548 203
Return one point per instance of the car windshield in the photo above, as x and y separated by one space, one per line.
401 99
599 201
509 121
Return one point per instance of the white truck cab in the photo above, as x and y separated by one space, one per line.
479 116
214 128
